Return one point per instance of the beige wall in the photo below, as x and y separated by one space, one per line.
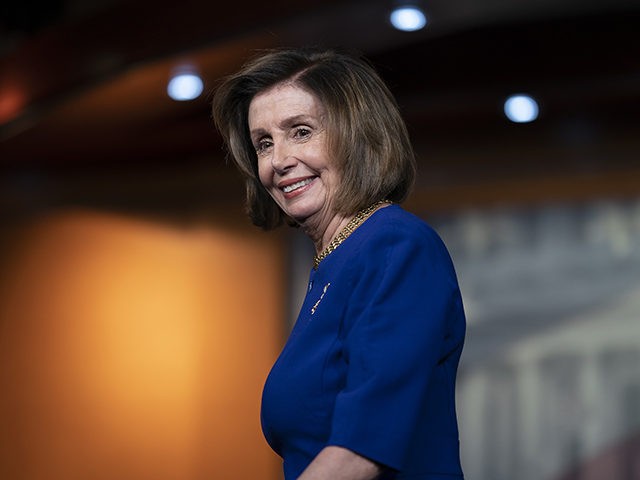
134 349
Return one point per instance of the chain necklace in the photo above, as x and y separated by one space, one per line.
349 228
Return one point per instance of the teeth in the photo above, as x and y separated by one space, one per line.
291 188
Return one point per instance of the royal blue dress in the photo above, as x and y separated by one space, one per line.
371 362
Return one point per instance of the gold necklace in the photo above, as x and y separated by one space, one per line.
349 228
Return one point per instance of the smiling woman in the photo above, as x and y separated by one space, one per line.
286 125
366 389
360 118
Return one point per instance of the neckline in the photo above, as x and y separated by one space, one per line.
358 219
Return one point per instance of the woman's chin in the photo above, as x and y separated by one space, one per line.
301 213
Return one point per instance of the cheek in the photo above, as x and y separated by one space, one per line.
321 157
264 173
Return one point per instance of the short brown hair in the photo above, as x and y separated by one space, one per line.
368 140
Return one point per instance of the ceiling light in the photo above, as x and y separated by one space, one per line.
521 108
185 86
408 18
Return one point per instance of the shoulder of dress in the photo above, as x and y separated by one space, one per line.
398 225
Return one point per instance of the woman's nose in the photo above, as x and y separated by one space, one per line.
283 158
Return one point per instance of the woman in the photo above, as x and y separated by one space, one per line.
364 387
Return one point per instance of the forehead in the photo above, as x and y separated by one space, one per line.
284 99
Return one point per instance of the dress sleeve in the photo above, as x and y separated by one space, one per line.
395 329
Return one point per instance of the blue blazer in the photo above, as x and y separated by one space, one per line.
371 362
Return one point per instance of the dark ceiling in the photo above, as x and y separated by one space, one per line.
83 102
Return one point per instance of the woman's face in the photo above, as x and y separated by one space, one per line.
288 132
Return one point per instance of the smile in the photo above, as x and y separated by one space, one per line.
297 185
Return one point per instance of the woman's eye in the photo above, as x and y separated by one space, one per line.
263 145
302 132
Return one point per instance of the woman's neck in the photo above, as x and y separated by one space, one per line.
322 232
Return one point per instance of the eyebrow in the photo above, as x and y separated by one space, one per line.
257 133
287 122
296 119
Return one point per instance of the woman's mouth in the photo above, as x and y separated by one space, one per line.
297 185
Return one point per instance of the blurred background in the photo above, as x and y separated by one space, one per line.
140 312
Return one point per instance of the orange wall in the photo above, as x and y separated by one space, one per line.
136 350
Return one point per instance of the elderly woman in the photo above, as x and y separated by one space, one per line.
364 387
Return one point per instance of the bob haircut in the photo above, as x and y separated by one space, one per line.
368 141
